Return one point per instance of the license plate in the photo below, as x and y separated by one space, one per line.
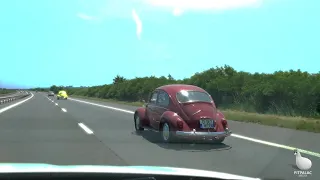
206 123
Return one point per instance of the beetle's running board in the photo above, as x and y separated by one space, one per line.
150 129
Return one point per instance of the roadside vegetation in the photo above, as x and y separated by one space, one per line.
6 91
288 99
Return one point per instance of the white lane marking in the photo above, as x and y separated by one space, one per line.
276 145
109 107
49 99
85 128
62 109
233 135
14 105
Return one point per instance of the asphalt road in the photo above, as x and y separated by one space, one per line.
76 133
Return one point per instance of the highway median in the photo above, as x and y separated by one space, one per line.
297 123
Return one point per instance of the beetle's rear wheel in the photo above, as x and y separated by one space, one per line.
166 134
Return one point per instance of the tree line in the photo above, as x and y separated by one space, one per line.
290 93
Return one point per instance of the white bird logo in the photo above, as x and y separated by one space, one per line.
302 162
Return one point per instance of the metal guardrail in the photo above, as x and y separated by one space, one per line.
12 97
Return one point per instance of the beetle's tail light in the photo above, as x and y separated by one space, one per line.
224 123
179 125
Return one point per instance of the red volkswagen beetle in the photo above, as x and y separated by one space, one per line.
182 111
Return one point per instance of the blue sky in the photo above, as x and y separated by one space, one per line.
78 42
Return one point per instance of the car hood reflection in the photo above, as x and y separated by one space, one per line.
156 170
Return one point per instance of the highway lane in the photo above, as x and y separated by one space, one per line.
300 139
39 131
115 129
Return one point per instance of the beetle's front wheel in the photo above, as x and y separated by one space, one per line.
137 124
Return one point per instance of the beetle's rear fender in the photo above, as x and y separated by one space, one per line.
220 117
141 113
176 122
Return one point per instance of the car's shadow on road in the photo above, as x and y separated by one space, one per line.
154 138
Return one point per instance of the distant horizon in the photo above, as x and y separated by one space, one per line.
12 86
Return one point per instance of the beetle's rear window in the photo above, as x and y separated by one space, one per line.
193 96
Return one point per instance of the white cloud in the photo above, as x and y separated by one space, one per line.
177 12
121 9
180 6
138 22
86 17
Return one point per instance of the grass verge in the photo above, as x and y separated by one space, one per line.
6 92
298 123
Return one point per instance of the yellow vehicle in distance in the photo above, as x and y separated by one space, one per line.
62 95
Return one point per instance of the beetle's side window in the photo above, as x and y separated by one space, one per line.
153 98
163 99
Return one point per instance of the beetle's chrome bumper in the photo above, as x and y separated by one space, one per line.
194 133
